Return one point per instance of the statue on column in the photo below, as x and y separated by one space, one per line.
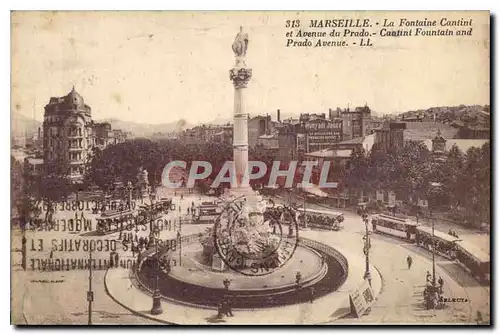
240 46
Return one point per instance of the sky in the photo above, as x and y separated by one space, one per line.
158 67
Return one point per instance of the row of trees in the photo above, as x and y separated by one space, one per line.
121 162
29 190
461 181
457 181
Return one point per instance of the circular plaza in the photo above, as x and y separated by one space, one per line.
197 284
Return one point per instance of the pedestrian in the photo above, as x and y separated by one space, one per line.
182 196
429 276
220 310
409 260
188 210
192 204
441 282
227 308
311 294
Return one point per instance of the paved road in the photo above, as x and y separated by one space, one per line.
64 299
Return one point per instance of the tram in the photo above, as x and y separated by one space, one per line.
112 221
207 212
474 259
394 226
321 218
156 210
445 244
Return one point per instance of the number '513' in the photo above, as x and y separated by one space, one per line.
292 23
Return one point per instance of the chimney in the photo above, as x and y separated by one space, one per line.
278 116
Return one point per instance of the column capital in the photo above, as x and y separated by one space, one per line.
240 76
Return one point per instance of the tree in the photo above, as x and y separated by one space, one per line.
451 174
356 176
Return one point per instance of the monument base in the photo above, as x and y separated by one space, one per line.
218 263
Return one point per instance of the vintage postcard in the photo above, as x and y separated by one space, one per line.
250 168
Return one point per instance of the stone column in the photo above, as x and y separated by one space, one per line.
240 76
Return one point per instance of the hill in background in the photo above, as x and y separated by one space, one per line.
474 116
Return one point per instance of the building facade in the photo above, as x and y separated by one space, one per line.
355 122
320 132
258 126
70 134
390 135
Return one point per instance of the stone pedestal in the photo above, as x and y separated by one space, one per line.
217 263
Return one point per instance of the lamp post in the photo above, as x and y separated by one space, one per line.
156 309
433 256
305 216
226 282
366 248
129 189
298 278
179 242
151 225
90 293
432 291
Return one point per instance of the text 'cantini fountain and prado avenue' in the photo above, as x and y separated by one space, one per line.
252 256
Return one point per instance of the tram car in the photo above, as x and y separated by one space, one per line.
474 259
112 221
394 226
445 244
320 218
154 211
207 212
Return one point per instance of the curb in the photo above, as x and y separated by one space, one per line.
130 309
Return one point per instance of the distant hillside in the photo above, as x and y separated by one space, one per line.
419 131
147 129
22 125
474 116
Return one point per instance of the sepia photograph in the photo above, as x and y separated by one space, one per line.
250 168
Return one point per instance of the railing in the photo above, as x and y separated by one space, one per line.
270 297
327 250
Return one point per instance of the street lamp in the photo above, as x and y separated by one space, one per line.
226 282
90 293
298 278
151 213
179 242
366 248
156 309
129 188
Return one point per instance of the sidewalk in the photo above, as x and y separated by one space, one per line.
324 310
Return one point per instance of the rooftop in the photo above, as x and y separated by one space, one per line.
462 144
330 153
